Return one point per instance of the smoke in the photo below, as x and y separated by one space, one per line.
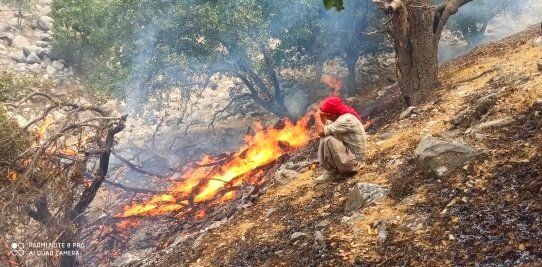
511 16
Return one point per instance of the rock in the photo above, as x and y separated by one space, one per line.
33 59
463 118
45 23
57 65
406 112
50 70
490 124
126 259
18 56
363 194
442 156
19 42
42 44
3 47
484 105
4 27
538 41
29 49
297 235
319 237
284 176
323 224
382 230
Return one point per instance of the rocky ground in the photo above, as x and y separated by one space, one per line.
453 182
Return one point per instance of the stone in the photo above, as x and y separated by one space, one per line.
490 124
407 112
463 118
18 56
42 44
323 224
3 47
29 49
441 156
45 23
364 194
50 70
538 41
284 176
4 27
19 42
33 59
297 235
319 237
57 65
484 104
126 259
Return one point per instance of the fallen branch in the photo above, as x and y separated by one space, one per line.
132 189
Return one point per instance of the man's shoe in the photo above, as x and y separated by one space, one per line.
326 177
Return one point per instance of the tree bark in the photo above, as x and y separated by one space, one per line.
416 30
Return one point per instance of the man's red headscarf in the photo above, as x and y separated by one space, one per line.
335 106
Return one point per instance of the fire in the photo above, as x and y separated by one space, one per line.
212 185
334 84
43 129
12 176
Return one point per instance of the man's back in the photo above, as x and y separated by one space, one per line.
350 131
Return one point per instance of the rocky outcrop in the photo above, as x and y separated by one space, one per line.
364 194
441 156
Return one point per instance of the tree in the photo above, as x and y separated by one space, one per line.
416 27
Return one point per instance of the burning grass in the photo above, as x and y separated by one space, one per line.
217 181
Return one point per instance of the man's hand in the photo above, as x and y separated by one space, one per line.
319 121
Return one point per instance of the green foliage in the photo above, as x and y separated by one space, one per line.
337 4
13 86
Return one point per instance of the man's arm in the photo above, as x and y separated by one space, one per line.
319 122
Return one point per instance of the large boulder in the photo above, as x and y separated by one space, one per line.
45 23
18 56
19 42
33 59
363 194
441 156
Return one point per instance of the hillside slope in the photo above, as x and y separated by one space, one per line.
488 212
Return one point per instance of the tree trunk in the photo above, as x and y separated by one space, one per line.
416 31
416 52
351 88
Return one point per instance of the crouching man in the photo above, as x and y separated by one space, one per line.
342 140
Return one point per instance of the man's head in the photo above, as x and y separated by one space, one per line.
333 108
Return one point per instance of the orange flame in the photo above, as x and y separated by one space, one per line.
214 185
43 129
12 176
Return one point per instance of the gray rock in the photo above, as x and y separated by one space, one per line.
29 49
126 259
319 237
50 70
406 112
42 44
45 23
3 47
484 105
323 224
463 118
284 176
19 42
441 156
57 65
297 235
538 41
18 56
490 124
364 194
33 59
4 27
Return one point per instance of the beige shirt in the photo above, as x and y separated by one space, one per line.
350 131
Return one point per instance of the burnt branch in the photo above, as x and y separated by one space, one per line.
90 192
134 167
211 124
132 189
